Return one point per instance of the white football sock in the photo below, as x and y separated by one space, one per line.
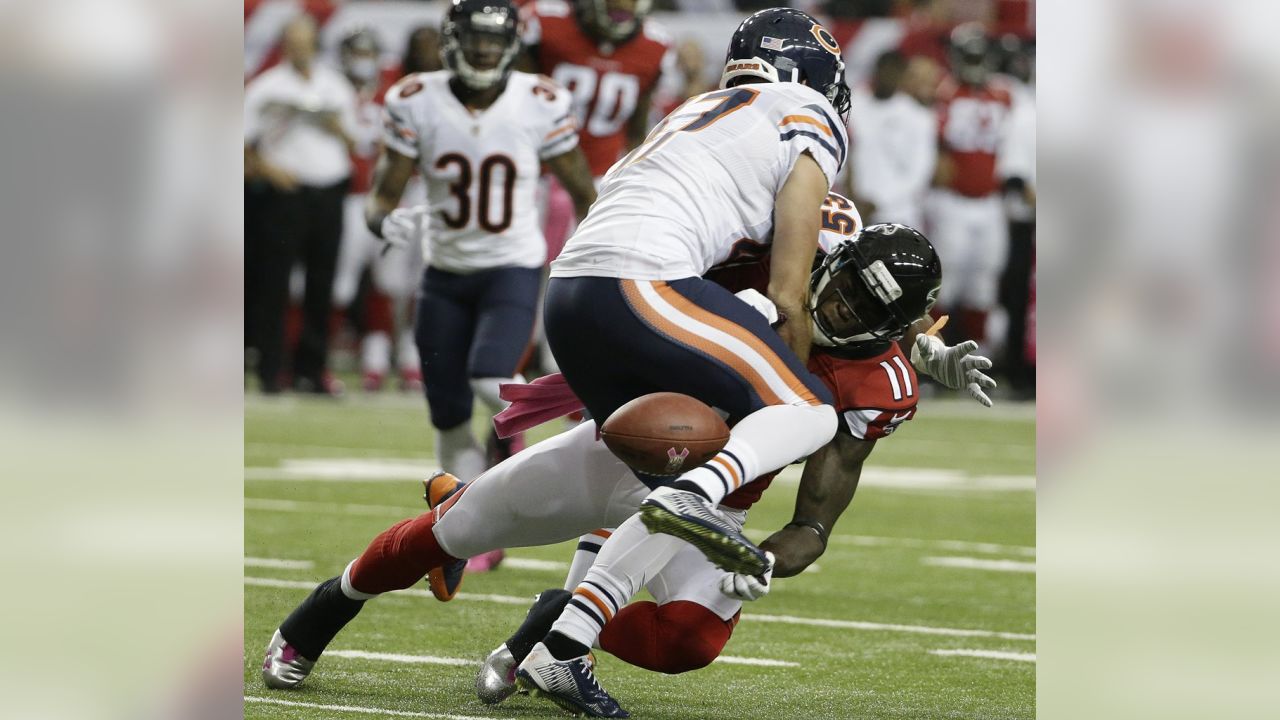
762 442
375 353
626 561
486 390
585 556
407 351
459 453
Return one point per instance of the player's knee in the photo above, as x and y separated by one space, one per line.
399 557
694 637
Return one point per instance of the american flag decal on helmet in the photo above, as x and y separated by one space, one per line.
771 43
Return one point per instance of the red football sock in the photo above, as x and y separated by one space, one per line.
377 312
401 556
673 638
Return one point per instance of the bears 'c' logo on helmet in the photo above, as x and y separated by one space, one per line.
826 39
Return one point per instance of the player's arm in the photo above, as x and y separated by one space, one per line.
571 169
390 176
826 489
638 124
255 167
797 223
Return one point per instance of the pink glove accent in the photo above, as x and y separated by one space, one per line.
532 404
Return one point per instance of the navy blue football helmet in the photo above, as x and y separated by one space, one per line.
479 41
787 45
869 289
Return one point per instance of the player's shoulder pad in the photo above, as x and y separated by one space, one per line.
545 94
1001 88
840 221
552 8
407 87
885 381
657 32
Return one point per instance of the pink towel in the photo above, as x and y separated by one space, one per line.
532 404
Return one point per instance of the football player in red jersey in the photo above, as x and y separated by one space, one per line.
967 220
609 58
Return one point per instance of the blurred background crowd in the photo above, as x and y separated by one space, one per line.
942 128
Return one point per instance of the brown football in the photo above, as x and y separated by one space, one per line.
664 433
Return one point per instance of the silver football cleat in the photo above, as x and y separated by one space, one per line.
284 668
496 680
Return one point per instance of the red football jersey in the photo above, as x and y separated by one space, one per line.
606 81
971 124
873 396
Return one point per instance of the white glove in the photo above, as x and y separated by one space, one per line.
954 366
402 228
758 301
748 587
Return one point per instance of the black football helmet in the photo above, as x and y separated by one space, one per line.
615 21
873 286
970 53
787 45
479 41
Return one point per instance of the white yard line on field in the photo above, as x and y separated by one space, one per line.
785 619
310 507
396 657
516 563
463 662
389 469
278 564
361 710
968 563
881 541
885 627
412 592
988 654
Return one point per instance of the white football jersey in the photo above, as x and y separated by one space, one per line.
704 181
481 168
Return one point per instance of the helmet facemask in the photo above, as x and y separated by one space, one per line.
854 303
481 54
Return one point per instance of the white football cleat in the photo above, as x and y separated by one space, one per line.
284 667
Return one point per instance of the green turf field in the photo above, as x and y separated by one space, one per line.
922 607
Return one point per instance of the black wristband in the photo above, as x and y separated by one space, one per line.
813 525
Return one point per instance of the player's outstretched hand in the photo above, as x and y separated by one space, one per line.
955 366
748 587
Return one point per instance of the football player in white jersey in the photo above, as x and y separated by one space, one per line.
479 132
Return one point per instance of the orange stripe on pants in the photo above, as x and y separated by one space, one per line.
686 306
697 342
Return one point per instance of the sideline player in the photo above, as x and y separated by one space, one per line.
479 132
393 277
610 57
968 221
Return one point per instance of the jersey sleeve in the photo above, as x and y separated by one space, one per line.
873 396
561 129
814 129
399 123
